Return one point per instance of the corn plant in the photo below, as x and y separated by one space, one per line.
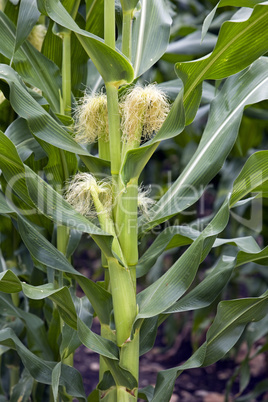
82 88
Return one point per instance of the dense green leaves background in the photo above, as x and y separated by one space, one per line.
213 143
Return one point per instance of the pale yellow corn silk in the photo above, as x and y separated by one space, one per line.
92 119
145 203
143 108
37 36
79 192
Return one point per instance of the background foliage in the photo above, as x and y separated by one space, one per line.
211 256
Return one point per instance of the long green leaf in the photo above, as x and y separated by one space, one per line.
36 333
28 16
112 65
230 322
19 133
13 170
41 370
147 45
23 389
177 236
224 3
40 122
44 252
254 175
234 51
217 141
9 283
4 207
163 293
32 65
207 291
62 298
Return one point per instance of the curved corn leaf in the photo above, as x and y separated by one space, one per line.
95 17
234 51
40 122
230 322
147 45
4 207
55 380
28 16
121 376
32 65
206 292
36 334
253 177
18 132
260 257
44 252
62 298
224 3
9 283
23 389
41 370
201 296
164 292
177 236
217 141
13 170
112 65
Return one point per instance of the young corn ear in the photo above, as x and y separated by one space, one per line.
92 119
37 35
144 110
83 191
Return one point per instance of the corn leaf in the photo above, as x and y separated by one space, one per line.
112 65
207 290
28 16
224 3
245 88
4 207
164 292
147 45
41 370
33 66
44 252
254 176
41 123
230 322
23 389
55 379
36 333
177 236
234 51
95 17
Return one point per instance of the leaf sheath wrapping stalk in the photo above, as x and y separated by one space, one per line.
124 300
